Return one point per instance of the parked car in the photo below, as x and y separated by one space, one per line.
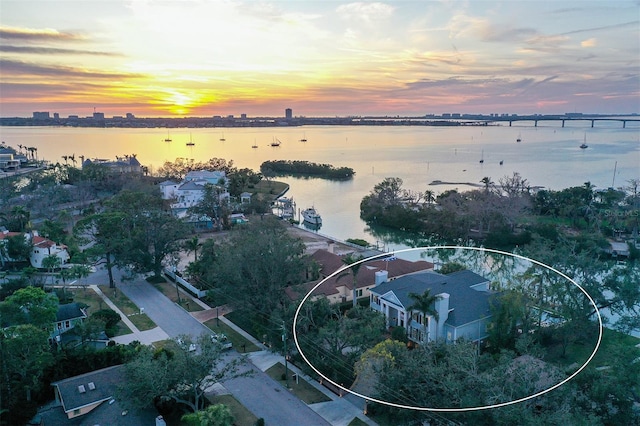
192 346
222 339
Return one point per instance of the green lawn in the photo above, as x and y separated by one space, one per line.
170 291
302 389
242 318
242 416
142 321
96 303
236 338
269 188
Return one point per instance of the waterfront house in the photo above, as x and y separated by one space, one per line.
463 305
190 192
340 288
124 164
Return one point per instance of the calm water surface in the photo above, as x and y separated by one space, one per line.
548 156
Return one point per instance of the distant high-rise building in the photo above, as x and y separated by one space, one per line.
56 116
41 115
98 115
288 113
243 116
130 116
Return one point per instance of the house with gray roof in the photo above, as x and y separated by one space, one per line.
81 394
90 399
463 305
67 317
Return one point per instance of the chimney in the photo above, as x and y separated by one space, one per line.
381 277
442 307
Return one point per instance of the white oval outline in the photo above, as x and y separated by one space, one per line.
451 410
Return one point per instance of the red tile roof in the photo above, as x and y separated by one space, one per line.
331 262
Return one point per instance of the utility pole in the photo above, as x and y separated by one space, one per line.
286 366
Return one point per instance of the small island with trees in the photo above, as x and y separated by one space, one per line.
305 169
541 328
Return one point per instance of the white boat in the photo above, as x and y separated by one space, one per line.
168 138
584 144
311 216
275 142
191 142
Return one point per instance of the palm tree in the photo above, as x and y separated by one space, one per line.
51 263
425 304
429 196
193 245
20 217
488 183
353 260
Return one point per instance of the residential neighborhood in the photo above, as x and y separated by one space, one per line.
180 299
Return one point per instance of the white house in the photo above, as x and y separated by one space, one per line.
463 305
190 191
41 248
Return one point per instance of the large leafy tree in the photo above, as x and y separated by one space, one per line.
333 341
104 230
256 263
17 248
181 372
133 232
179 168
155 238
214 206
34 306
25 355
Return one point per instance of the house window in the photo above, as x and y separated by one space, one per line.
67 324
59 326
360 293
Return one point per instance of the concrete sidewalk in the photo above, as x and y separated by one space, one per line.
338 412
109 303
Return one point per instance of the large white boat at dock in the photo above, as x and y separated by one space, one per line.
311 216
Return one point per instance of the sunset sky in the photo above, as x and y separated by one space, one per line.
320 58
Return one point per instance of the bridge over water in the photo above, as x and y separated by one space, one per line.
561 119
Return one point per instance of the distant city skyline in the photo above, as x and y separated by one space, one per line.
319 58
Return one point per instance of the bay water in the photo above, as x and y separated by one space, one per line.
548 156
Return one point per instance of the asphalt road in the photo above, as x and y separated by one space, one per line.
258 392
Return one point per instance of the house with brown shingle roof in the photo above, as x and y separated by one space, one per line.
340 287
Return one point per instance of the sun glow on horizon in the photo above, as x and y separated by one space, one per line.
184 56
